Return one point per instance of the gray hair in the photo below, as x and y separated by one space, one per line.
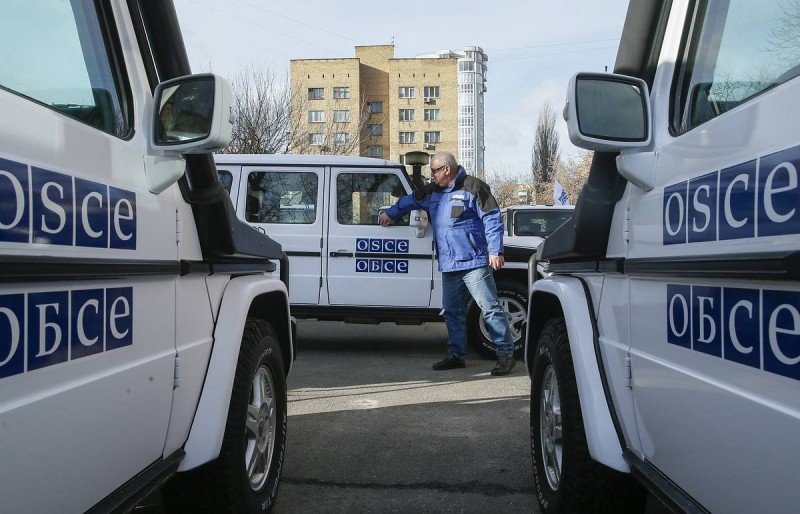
444 159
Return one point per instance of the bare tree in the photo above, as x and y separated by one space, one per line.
573 173
545 152
784 39
260 111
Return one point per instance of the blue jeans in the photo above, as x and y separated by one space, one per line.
480 284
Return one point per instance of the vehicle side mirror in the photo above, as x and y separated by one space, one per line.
419 221
192 115
608 112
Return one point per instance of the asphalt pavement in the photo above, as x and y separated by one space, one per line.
372 428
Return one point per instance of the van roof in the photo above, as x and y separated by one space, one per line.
539 207
302 159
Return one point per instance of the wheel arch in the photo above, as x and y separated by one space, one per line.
565 296
250 295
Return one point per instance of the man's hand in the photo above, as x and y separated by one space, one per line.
496 262
385 220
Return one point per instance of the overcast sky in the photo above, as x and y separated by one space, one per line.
533 46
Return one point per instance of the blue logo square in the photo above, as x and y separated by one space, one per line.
48 329
401 266
362 265
740 321
781 333
375 245
86 327
702 218
362 245
389 246
52 207
706 317
389 266
119 317
675 213
374 265
14 203
779 193
737 201
12 334
402 246
91 219
122 218
679 315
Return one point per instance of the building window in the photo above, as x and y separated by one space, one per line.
466 66
316 93
431 91
375 130
468 87
406 115
433 137
431 114
341 116
406 137
406 92
375 151
375 107
316 116
467 110
316 139
341 93
340 138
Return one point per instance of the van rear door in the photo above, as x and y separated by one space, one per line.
287 203
370 265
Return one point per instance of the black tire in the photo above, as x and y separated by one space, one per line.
223 485
584 485
479 343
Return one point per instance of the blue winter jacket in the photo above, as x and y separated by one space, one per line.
466 220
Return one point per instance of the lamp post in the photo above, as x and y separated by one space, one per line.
416 160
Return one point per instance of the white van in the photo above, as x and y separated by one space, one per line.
665 343
143 330
324 210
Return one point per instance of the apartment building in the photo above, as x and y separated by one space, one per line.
378 105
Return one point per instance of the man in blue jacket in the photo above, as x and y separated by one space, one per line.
468 229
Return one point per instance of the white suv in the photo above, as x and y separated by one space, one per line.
665 343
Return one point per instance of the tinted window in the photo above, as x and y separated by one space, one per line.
360 197
57 53
226 178
539 223
736 50
281 197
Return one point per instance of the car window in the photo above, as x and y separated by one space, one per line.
282 197
59 54
361 197
226 178
734 50
539 223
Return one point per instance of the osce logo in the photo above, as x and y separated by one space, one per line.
758 198
382 265
42 329
45 207
364 245
753 327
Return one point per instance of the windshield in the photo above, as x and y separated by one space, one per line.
539 223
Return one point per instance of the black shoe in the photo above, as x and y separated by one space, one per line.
504 366
451 362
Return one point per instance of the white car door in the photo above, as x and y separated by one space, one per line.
715 340
370 265
287 203
88 260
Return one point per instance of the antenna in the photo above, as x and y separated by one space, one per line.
392 40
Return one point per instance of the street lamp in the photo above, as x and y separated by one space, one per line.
416 160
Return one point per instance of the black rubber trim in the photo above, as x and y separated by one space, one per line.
153 477
601 366
517 253
341 254
41 269
672 496
572 267
766 266
423 256
237 267
304 254
372 313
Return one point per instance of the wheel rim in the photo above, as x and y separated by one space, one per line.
551 428
260 428
515 314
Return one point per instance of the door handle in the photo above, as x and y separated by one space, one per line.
341 253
